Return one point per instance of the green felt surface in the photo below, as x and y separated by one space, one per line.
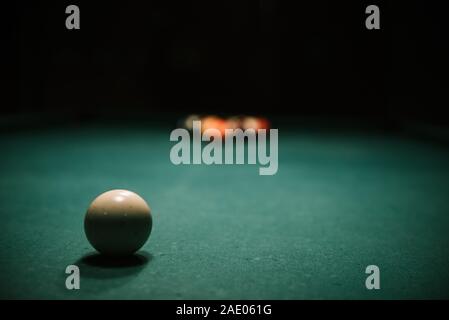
338 203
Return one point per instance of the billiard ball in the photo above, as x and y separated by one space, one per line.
118 222
188 121
264 123
255 123
213 122
250 122
234 122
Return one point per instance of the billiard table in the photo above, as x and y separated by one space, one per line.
342 199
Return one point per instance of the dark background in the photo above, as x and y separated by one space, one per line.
290 58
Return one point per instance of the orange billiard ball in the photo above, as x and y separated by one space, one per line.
213 122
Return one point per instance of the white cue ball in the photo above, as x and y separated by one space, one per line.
118 222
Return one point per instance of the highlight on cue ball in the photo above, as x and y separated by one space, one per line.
118 222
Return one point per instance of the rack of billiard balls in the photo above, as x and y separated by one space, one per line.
243 122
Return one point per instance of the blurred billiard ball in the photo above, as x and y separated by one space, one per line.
256 123
187 122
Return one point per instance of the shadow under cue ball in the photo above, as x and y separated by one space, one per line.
118 222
